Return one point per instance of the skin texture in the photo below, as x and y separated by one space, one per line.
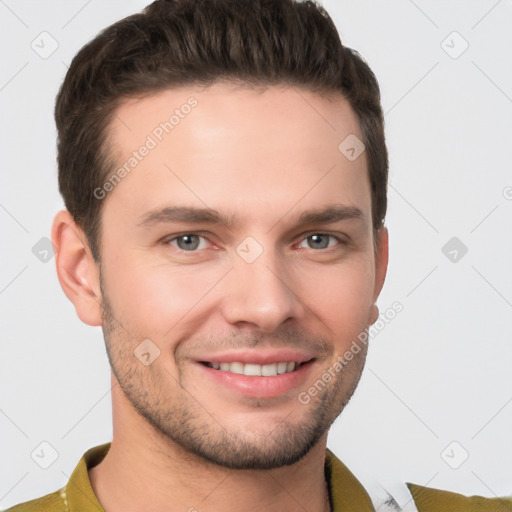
260 157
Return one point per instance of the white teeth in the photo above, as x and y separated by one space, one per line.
256 370
236 368
281 368
269 370
252 369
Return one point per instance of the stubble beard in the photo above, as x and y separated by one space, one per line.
188 424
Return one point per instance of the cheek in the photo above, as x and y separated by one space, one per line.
341 297
158 300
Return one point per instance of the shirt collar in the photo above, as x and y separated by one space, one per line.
79 495
345 491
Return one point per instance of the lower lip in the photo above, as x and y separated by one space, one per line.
260 387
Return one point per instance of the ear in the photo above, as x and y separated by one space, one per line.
77 271
381 267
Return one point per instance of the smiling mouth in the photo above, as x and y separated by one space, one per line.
256 370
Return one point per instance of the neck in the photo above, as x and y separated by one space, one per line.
145 471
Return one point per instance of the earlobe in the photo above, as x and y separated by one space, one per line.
381 266
381 262
77 271
374 314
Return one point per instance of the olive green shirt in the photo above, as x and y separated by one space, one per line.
345 491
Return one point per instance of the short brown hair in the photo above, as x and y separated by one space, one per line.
173 43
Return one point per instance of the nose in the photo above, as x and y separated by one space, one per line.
262 293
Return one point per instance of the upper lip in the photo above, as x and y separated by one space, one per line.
260 356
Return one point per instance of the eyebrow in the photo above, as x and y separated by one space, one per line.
325 215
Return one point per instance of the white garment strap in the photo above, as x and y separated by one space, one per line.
394 498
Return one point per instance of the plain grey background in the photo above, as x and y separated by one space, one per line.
434 405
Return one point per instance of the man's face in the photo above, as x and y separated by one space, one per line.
253 296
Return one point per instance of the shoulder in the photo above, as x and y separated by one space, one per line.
53 502
436 500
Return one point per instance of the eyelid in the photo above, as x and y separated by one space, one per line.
342 237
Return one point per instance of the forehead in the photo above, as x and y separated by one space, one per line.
236 144
217 109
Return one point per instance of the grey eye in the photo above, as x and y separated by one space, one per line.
189 242
319 241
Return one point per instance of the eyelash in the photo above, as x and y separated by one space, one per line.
304 237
